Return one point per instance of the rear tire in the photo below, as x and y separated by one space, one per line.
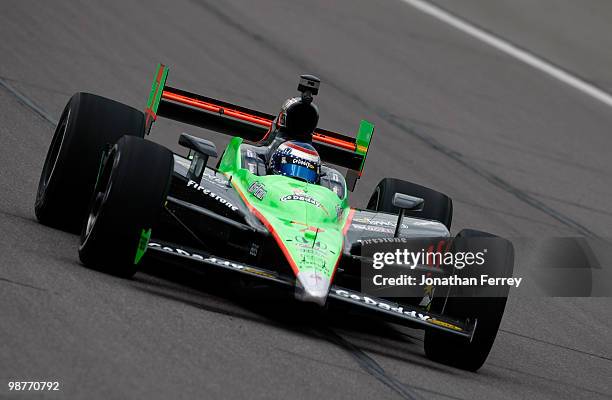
487 311
126 203
437 207
87 125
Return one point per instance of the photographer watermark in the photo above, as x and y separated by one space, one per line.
455 266
434 259
485 266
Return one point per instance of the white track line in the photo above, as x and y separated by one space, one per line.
512 50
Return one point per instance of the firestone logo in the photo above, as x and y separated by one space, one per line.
208 192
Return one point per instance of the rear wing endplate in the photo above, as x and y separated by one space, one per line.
205 112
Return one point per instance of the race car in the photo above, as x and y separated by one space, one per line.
274 208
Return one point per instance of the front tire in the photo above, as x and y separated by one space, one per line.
485 305
88 125
127 200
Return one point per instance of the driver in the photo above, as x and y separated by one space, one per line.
297 160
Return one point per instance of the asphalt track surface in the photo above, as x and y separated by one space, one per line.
520 153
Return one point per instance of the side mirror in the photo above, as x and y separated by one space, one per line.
405 202
199 151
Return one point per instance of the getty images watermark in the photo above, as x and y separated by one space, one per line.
398 267
487 266
429 260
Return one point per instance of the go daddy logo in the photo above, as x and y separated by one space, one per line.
299 195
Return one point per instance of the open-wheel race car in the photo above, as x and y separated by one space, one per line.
274 208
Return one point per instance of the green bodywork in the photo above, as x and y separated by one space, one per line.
145 235
363 139
157 88
306 220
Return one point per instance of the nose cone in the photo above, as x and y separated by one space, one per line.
305 222
312 287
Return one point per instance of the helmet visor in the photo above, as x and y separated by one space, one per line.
299 172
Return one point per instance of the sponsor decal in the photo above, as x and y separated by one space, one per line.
212 260
313 264
391 224
258 190
364 220
301 197
258 272
217 179
424 223
301 162
339 209
371 228
314 229
298 156
382 305
444 324
308 228
304 242
308 247
311 252
383 240
379 222
210 193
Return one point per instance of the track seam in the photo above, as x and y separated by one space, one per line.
22 284
494 179
369 365
394 121
29 103
586 353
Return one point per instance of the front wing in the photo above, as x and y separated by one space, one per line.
401 314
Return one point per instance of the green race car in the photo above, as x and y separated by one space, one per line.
274 208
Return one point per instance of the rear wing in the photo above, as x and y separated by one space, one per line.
205 112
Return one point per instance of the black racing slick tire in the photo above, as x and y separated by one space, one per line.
437 206
483 305
127 201
87 126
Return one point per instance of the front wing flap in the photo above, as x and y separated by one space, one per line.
402 314
165 250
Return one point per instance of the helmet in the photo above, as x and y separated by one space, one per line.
298 119
297 160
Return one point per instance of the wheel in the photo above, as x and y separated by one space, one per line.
87 125
125 205
485 305
437 206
